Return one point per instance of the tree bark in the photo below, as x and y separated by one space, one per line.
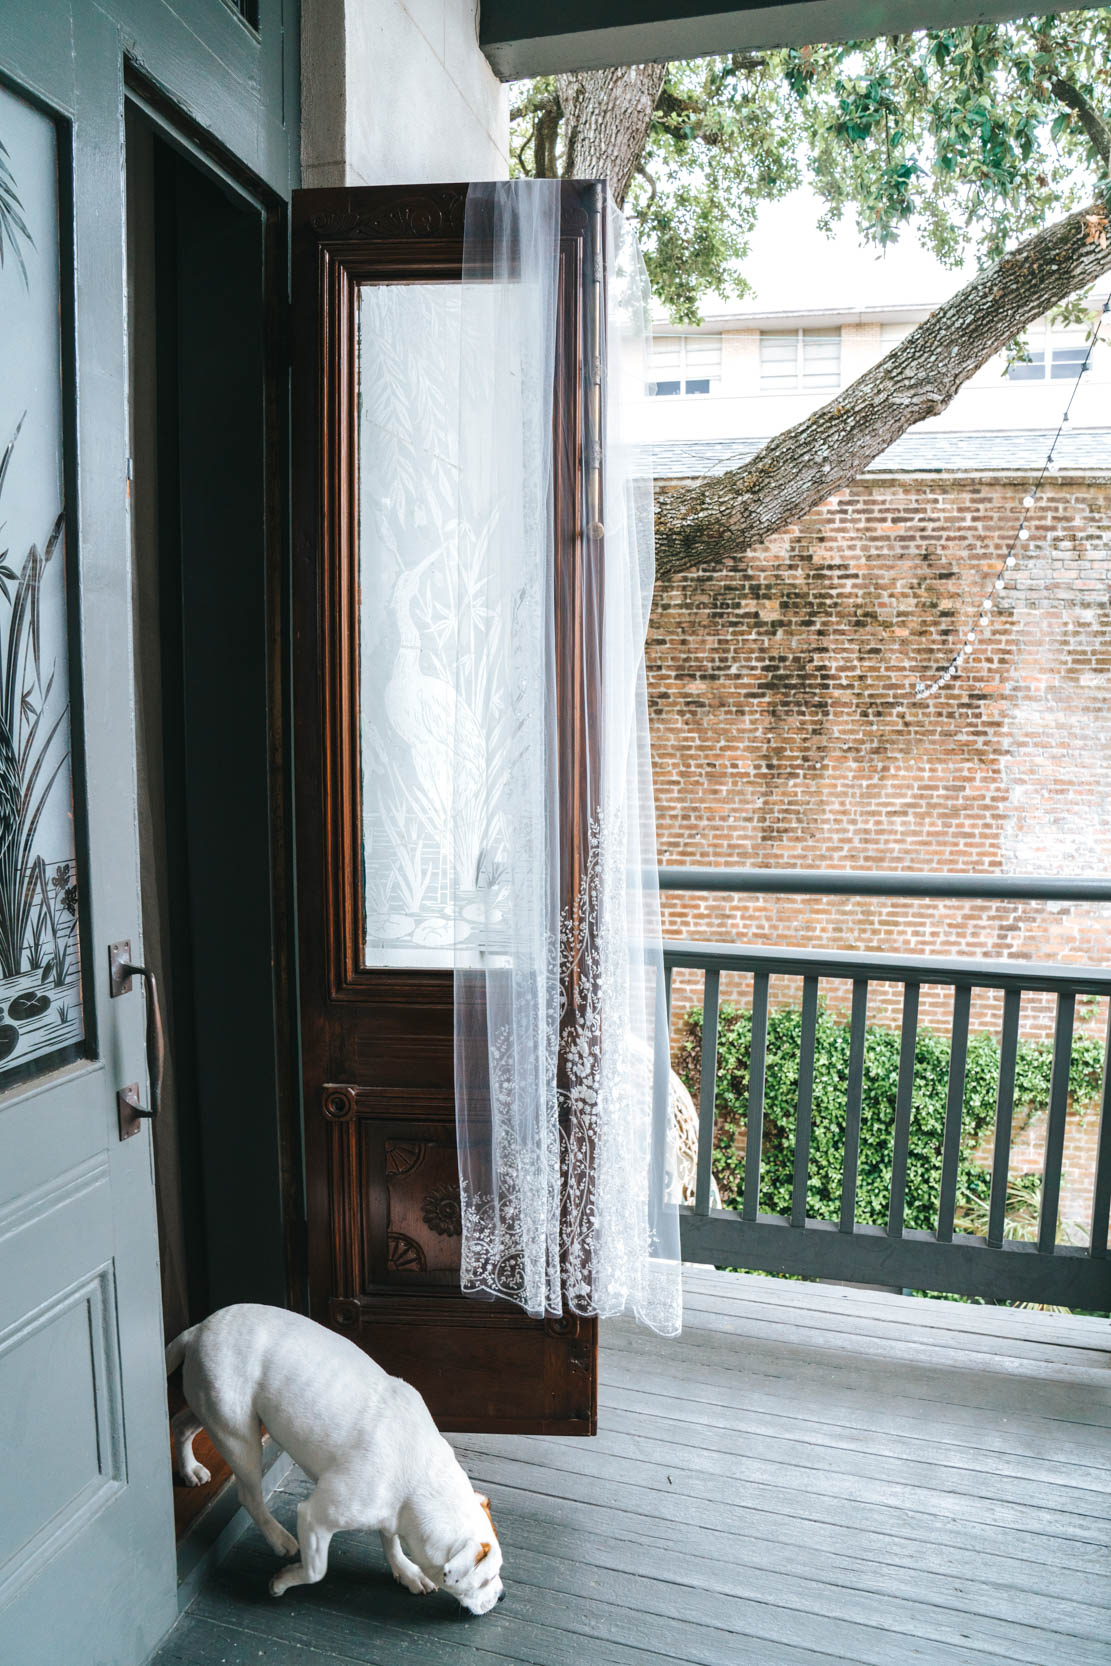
729 513
545 136
608 113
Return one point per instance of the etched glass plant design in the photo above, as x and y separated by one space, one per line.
428 634
40 982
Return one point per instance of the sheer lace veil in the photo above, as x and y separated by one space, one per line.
567 1173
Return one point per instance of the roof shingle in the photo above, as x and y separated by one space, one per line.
1078 451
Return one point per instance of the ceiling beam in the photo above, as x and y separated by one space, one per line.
523 38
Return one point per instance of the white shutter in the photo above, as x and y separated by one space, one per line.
779 352
821 359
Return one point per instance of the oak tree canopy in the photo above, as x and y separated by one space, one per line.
990 142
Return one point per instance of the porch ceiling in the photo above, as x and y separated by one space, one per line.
521 38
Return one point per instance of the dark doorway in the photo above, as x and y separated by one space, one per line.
203 579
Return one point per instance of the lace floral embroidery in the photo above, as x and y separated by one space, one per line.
599 1118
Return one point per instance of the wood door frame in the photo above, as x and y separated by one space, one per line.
417 235
198 146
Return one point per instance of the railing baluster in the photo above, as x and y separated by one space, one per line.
904 1105
853 1101
1004 1116
1055 1123
954 1109
994 1269
1101 1196
707 1085
754 1126
807 1040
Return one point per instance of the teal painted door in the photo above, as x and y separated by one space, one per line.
87 1564
87 1568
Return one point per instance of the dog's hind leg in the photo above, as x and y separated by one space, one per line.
186 1426
242 1451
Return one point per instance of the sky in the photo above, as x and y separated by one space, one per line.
788 251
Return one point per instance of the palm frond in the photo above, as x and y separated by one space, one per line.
31 761
13 227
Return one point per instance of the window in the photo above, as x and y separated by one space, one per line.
1061 352
1028 370
797 361
1067 363
684 364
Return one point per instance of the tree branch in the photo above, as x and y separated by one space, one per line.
545 140
1099 134
729 513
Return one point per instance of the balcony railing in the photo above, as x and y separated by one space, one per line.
945 1260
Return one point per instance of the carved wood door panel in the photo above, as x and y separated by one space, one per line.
377 274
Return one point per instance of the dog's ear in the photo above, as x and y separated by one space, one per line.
462 1561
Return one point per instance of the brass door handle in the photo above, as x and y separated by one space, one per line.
121 971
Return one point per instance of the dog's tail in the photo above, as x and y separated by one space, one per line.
175 1353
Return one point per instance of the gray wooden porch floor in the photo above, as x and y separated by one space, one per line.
811 1475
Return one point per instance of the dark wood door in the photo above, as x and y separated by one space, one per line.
381 1167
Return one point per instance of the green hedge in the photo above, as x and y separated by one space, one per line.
881 1070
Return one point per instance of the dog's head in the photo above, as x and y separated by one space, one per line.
472 1572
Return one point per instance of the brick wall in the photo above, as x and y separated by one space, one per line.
786 733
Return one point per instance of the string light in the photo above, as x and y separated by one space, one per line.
923 690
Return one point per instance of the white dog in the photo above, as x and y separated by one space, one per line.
365 1439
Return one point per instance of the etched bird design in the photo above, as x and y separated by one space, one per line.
442 733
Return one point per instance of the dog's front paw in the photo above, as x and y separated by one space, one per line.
194 1474
415 1581
281 1582
281 1541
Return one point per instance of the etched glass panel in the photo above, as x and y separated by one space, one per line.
41 1022
436 732
408 515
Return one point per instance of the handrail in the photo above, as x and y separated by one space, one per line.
836 883
891 968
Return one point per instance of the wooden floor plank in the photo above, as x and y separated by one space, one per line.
706 1310
646 1518
808 1476
195 1641
645 1454
912 1442
929 1312
665 1588
536 1625
865 1402
919 1470
599 1532
589 1607
960 1381
780 1511
875 1339
1074 1541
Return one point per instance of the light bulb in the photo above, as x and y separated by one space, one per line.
1023 534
